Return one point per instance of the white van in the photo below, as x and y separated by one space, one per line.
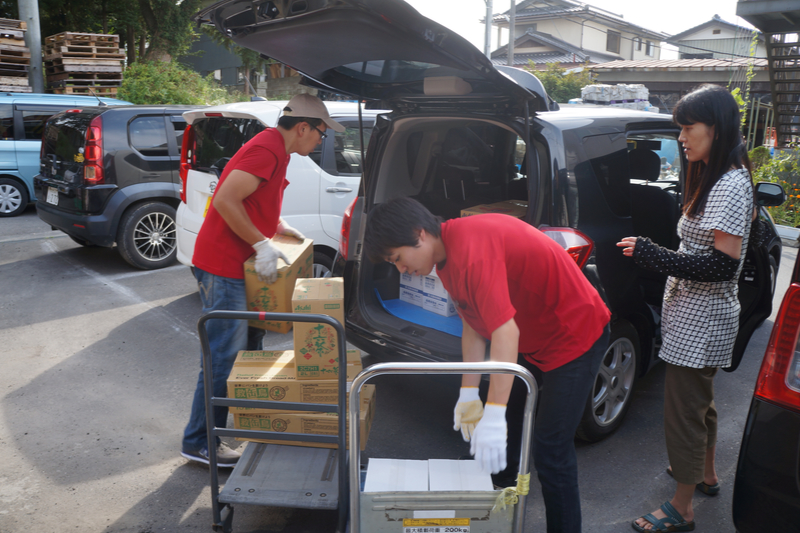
321 185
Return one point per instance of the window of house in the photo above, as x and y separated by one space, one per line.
612 41
716 32
650 50
530 29
638 41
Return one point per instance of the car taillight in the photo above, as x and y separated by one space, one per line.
779 378
187 158
577 245
344 238
93 152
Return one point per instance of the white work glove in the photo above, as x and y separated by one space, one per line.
266 262
468 412
286 229
489 439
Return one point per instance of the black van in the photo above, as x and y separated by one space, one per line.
110 175
462 133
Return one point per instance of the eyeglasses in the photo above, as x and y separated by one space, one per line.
322 134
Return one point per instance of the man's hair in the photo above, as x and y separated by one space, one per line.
288 123
395 224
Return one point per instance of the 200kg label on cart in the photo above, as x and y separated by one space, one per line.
436 525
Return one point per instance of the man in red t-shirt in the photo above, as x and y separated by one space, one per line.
244 215
519 289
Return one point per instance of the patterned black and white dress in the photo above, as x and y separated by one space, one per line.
700 319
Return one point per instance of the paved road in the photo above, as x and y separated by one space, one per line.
99 363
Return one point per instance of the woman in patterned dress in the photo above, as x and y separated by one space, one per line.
700 312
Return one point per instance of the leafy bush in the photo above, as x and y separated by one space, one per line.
160 83
784 169
560 85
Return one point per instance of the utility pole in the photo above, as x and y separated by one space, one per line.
29 13
487 40
512 21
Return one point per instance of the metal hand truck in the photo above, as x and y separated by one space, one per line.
394 512
278 475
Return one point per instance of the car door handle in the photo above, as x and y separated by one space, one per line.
338 189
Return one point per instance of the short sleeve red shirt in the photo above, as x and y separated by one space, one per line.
499 268
218 249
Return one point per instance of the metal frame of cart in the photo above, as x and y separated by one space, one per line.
389 512
278 475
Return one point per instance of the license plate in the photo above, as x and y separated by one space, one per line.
52 195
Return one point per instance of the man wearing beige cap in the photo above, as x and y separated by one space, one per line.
243 216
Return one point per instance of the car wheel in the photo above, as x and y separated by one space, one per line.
147 236
773 273
13 198
82 242
613 387
323 265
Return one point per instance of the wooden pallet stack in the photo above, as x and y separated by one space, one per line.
15 57
83 63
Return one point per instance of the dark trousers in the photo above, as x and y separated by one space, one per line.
563 393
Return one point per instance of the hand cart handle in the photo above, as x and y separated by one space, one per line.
488 367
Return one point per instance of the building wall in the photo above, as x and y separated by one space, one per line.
721 48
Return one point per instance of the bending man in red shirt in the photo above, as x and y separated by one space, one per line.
244 215
519 289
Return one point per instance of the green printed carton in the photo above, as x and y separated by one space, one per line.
277 298
316 347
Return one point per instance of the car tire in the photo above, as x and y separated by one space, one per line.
13 197
147 236
611 393
323 265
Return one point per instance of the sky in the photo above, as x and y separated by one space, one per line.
667 16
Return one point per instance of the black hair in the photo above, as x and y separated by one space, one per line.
712 105
395 224
286 122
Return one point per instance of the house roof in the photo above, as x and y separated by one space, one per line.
680 64
715 21
563 52
527 11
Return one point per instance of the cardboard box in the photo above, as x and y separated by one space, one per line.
308 423
254 383
277 298
434 296
368 390
316 345
435 475
286 359
514 208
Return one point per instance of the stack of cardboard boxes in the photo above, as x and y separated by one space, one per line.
307 374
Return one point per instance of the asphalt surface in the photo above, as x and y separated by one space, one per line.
99 364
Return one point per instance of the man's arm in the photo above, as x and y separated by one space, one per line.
473 350
505 349
229 202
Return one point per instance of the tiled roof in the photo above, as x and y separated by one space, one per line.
540 58
681 64
564 52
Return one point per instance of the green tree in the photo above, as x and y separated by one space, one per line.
159 82
251 60
560 85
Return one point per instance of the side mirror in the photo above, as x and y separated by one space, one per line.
769 194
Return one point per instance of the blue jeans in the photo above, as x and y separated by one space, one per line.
226 338
563 393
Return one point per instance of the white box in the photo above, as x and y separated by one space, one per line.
435 297
404 475
450 475
396 475
412 296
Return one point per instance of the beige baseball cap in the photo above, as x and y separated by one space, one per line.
308 106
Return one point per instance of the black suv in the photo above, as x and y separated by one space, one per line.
462 133
110 175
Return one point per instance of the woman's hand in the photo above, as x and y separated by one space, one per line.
627 244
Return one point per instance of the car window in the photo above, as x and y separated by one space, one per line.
65 139
178 128
347 149
217 139
34 123
608 161
148 136
7 122
666 148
